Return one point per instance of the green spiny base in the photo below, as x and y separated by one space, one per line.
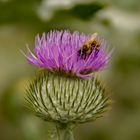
63 99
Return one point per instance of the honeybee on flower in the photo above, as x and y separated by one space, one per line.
90 45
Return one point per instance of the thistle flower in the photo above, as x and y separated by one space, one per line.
70 53
65 91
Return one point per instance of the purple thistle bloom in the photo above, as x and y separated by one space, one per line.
71 53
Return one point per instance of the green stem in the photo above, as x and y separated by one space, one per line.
65 132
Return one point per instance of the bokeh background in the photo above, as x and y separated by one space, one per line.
117 20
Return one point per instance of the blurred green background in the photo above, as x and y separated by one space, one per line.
117 20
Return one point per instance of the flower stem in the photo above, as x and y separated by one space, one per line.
65 132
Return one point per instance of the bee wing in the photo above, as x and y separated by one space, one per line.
94 36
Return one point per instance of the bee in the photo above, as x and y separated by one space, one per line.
90 45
